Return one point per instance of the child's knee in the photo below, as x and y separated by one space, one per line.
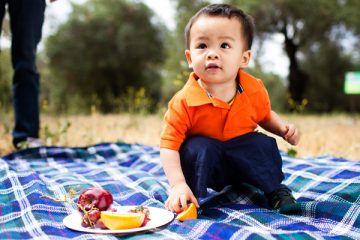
259 141
200 144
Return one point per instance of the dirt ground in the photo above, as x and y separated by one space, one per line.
336 135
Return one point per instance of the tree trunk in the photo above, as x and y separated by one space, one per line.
297 78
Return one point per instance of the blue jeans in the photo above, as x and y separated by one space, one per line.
252 158
26 20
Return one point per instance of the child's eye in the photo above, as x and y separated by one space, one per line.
225 45
202 46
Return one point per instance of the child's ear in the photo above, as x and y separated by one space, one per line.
188 57
245 59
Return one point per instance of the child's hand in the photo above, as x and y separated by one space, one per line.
291 134
179 196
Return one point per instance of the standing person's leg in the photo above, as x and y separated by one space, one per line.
26 20
202 164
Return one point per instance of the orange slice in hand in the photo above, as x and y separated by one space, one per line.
118 221
190 213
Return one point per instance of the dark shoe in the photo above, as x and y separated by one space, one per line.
280 197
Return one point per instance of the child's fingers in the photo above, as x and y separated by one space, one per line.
289 133
292 136
296 136
176 206
183 202
172 203
194 200
169 205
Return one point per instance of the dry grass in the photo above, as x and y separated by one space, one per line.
336 135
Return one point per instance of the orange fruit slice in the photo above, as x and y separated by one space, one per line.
118 221
190 213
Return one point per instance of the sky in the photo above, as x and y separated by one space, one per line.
273 59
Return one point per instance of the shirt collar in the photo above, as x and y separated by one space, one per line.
194 94
197 96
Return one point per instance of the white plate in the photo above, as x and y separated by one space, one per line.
158 216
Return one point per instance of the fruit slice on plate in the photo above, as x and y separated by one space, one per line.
118 221
190 213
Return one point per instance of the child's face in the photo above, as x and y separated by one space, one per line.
217 49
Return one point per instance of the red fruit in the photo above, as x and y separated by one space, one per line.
95 198
94 215
100 224
85 222
146 219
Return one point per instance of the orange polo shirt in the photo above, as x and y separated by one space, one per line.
192 112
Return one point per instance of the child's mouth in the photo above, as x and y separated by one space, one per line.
211 66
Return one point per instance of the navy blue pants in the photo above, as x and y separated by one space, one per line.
252 158
26 20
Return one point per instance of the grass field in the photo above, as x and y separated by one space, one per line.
337 135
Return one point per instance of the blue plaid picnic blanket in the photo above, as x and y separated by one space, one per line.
327 189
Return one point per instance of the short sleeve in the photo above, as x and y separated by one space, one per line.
176 124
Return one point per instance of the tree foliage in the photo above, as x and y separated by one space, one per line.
105 48
176 67
326 88
274 85
313 32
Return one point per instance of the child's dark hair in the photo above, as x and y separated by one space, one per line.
224 10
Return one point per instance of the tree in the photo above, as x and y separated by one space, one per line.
105 48
327 96
176 67
274 85
305 26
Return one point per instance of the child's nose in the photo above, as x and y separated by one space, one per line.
212 55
